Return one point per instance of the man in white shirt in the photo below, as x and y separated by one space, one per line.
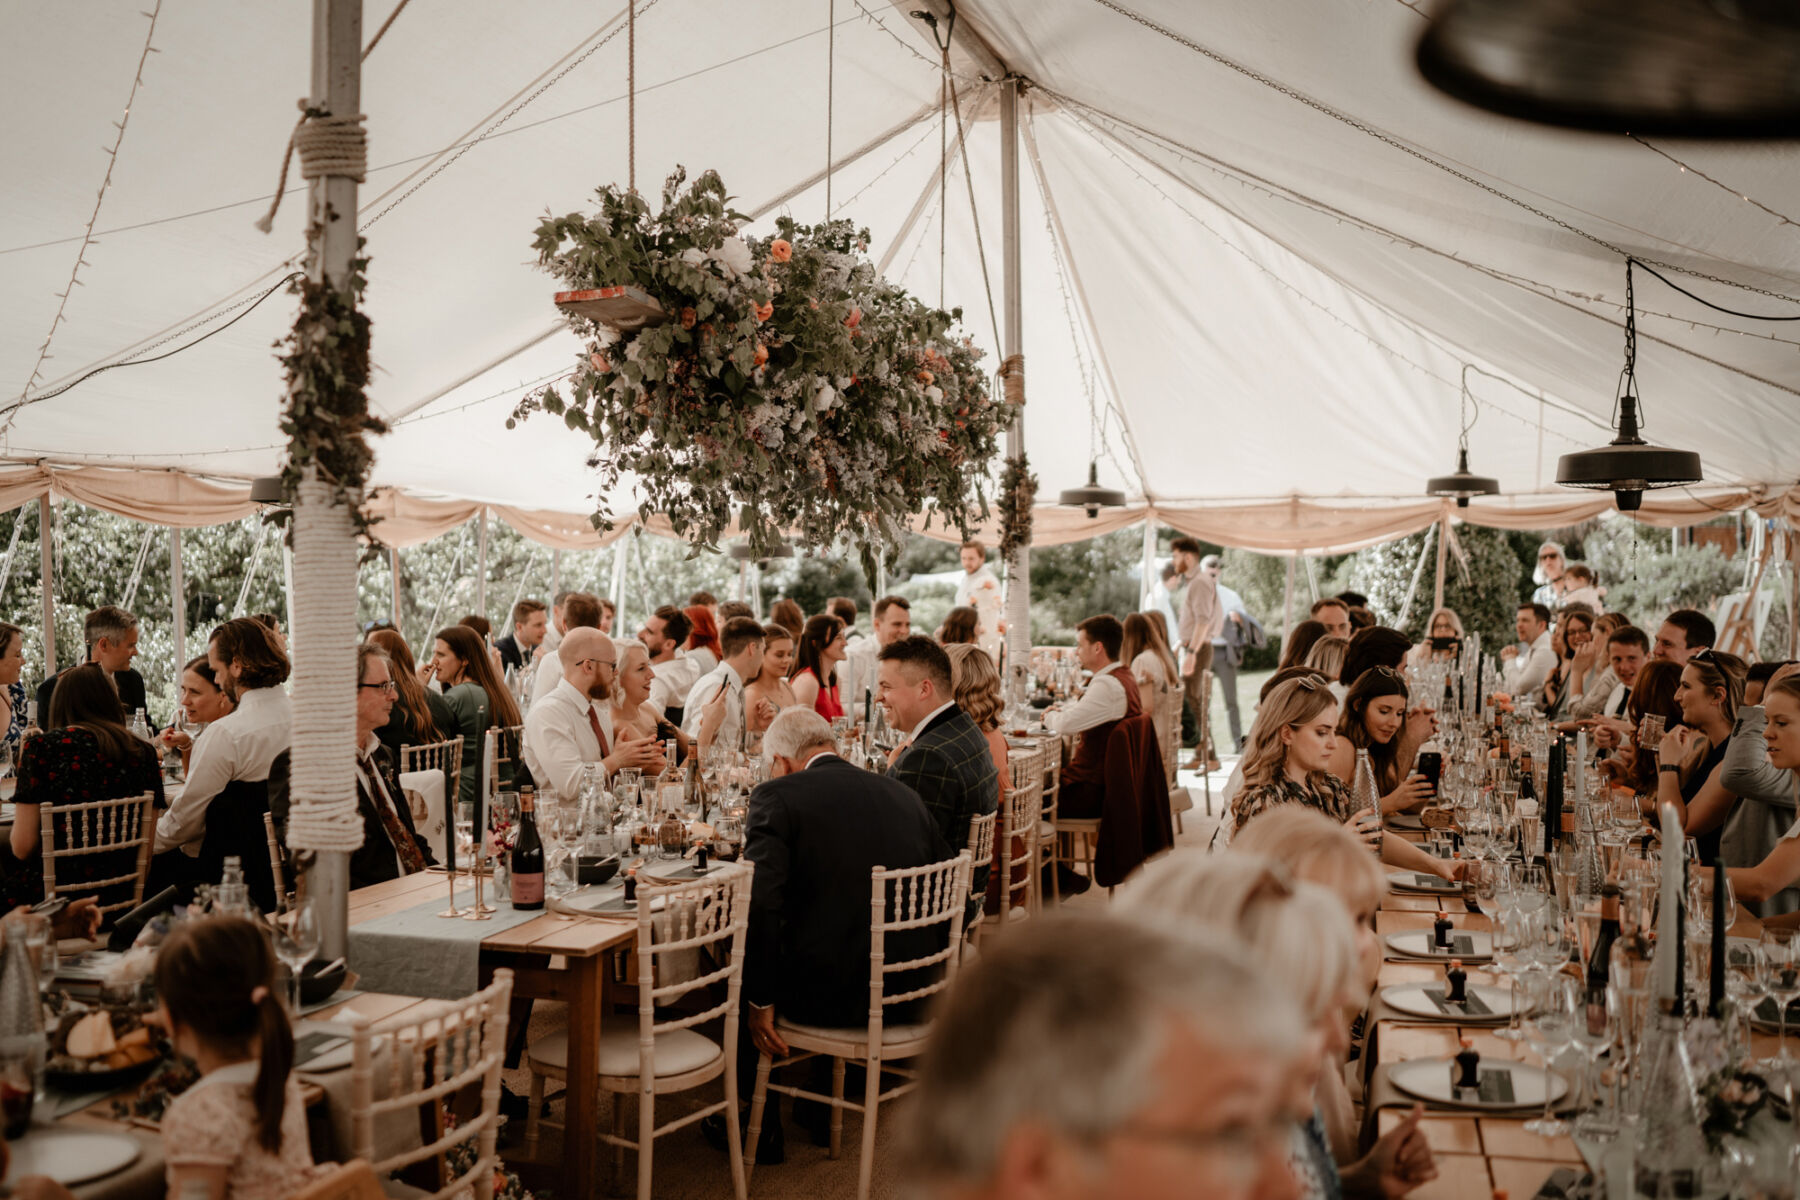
1201 619
243 744
572 726
553 636
1528 663
980 590
859 675
1628 649
714 710
578 610
673 673
1111 696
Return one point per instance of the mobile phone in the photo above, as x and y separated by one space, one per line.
50 906
1445 643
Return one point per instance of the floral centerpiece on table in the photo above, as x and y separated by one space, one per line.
792 389
1737 1103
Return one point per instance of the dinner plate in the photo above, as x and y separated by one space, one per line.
70 1156
1418 881
1506 1086
1427 1000
1470 945
1405 822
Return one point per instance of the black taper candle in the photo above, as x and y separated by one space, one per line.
1715 992
1679 949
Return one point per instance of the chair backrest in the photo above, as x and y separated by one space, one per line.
420 1057
124 830
1052 778
276 866
981 843
445 756
1168 730
1025 766
234 828
1024 809
502 746
687 923
914 900
354 1180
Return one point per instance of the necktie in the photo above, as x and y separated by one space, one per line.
406 850
599 733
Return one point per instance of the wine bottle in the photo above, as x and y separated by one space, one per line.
1363 792
1599 968
528 856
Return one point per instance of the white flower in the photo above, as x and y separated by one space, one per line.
734 256
827 396
693 256
936 393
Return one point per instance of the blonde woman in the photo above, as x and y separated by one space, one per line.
1327 656
1304 941
1288 761
1145 652
630 696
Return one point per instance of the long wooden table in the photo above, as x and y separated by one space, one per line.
551 958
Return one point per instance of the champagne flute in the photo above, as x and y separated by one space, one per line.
1595 1028
1780 974
1550 1030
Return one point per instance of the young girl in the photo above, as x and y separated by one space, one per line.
240 1132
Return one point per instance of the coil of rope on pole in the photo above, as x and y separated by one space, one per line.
327 145
1012 379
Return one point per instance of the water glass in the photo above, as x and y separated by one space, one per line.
1650 732
297 935
1550 1030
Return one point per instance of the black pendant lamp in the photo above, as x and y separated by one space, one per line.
1628 466
1463 483
1656 68
267 489
1092 496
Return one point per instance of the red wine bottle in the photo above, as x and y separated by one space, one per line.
528 857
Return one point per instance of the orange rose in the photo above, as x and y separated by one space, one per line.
688 317
854 319
927 378
598 360
762 355
765 311
780 250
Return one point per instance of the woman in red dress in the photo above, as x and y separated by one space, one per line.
815 665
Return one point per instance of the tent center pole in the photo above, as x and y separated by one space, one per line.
47 566
1018 566
1443 548
178 601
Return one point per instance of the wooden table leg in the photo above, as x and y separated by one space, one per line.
580 1135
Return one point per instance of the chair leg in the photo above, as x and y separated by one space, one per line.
646 1136
532 1118
758 1098
837 1107
865 1169
734 1146
618 1151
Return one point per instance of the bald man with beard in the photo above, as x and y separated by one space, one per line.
572 726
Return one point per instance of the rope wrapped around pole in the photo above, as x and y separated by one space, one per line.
327 145
1012 379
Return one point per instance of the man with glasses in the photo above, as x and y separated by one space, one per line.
1549 575
1175 1065
391 844
572 726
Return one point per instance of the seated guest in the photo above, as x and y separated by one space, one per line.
1756 681
203 701
1165 1038
1525 664
86 754
420 715
1444 623
673 672
1690 755
703 637
976 684
817 666
1300 642
1569 638
1370 647
1627 652
1583 588
961 625
1301 935
608 613
573 725
111 635
391 845
1779 869
530 619
631 708
1287 761
483 627
232 764
714 708
1375 718
815 830
477 698
706 600
945 759
1683 632
272 623
12 700
1111 696
845 610
771 682
580 610
1652 694
1592 681
788 614
1333 612
1766 813
559 624
1327 657
859 675
727 609
1235 783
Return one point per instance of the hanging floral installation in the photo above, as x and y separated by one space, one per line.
785 384
1018 492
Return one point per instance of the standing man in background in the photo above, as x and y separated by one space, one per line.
1201 619
980 590
1237 633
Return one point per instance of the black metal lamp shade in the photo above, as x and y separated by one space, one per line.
1462 483
1091 496
1628 466
267 489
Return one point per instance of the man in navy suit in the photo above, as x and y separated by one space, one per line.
945 758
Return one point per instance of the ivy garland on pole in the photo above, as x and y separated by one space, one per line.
791 389
326 418
1018 492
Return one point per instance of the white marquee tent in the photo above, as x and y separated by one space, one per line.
1254 242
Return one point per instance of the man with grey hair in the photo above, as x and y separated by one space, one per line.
1173 1066
815 831
111 635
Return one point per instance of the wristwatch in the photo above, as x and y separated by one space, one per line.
1668 767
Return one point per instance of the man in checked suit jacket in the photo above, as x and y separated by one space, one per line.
945 758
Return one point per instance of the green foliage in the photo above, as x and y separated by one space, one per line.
1080 579
1646 579
816 579
1486 596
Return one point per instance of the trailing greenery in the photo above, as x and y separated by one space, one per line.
1018 492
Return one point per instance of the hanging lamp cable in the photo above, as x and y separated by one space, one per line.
830 92
631 95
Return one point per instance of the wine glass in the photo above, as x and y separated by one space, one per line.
1512 936
1595 1027
1628 986
1780 974
297 934
1549 1030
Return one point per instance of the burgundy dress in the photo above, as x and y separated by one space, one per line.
65 766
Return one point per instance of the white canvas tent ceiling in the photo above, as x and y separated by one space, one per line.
1268 303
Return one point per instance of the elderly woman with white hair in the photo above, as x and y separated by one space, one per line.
1304 940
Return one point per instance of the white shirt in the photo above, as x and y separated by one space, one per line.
927 720
1529 668
705 661
242 744
731 731
671 681
1103 701
858 674
548 674
981 591
559 741
1615 700
371 779
1230 602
